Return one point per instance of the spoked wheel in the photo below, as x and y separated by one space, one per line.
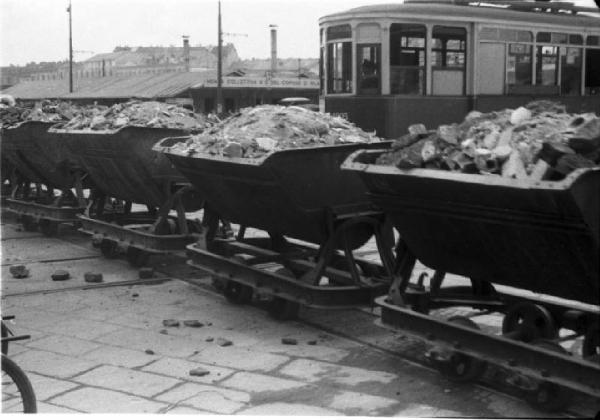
17 392
460 367
137 257
237 293
280 308
548 396
48 227
591 343
29 223
527 322
109 248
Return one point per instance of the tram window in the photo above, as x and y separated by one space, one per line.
576 39
448 51
369 68
558 38
570 69
519 64
543 37
592 71
321 72
339 32
547 65
339 67
407 59
593 40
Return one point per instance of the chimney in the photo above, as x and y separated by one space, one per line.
186 51
273 48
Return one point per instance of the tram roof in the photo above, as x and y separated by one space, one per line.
522 12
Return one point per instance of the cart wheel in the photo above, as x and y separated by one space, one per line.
548 396
530 322
48 227
238 293
29 224
462 368
137 257
591 343
283 309
109 248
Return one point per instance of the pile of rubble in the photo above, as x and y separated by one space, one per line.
46 110
255 132
68 116
140 114
540 141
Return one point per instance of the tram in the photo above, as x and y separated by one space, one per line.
388 66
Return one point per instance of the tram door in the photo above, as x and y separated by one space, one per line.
490 72
369 69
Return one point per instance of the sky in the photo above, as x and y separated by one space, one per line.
37 30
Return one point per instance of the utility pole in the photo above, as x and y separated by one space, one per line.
220 66
70 51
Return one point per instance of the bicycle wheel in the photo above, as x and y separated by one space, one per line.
17 392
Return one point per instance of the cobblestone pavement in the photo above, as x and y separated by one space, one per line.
106 349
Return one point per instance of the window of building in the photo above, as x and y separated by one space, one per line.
518 68
407 58
339 67
570 71
369 68
547 65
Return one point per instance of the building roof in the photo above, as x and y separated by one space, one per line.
140 86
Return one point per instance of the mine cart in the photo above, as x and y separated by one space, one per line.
529 252
40 165
315 215
125 170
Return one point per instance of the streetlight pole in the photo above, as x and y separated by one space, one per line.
220 66
70 51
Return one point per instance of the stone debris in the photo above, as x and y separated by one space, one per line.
540 141
19 271
165 332
194 323
199 372
170 323
256 132
139 114
312 342
72 117
223 342
289 341
148 351
60 275
209 339
93 277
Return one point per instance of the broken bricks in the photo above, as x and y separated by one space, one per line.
539 141
19 271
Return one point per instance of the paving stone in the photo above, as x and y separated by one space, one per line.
317 351
83 328
45 408
65 345
52 364
206 397
186 410
120 379
96 400
118 356
60 275
360 404
313 371
46 387
239 358
286 409
256 382
171 345
180 368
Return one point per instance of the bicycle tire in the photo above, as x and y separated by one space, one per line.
22 383
4 335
